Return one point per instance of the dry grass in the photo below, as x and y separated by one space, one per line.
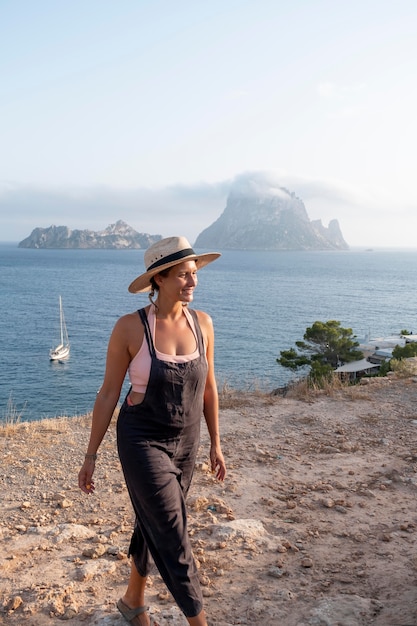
11 418
404 368
35 431
231 398
306 390
356 392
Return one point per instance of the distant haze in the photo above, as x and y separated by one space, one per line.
189 209
149 112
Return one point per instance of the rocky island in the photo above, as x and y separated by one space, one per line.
118 236
266 217
258 216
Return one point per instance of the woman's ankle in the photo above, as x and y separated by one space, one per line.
199 620
133 601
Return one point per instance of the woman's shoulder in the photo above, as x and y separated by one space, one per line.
128 321
204 319
127 317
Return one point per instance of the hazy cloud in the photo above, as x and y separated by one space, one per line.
188 209
177 209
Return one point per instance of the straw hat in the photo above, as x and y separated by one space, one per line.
164 254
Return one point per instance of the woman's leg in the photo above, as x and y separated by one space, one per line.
135 597
199 620
161 518
135 594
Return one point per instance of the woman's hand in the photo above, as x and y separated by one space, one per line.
85 476
218 465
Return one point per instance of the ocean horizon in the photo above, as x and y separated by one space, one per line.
261 302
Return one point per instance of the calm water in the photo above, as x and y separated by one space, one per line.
261 303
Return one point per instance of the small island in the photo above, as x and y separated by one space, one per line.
118 236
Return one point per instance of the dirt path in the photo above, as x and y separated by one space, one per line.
315 526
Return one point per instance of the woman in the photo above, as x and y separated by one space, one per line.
168 351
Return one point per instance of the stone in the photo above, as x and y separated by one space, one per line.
242 528
275 572
14 603
95 552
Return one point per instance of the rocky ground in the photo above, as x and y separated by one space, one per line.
315 525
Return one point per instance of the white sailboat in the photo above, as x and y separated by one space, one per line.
62 350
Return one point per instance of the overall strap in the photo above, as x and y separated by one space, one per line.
198 332
149 341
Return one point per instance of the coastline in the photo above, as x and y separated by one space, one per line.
275 307
317 518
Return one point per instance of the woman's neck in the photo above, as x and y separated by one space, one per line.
165 310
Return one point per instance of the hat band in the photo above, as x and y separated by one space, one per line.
171 257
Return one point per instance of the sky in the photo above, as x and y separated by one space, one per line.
150 112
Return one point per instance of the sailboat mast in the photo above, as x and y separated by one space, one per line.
63 349
61 320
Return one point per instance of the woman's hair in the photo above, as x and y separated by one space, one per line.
154 285
153 281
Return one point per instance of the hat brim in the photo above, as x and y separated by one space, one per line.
143 282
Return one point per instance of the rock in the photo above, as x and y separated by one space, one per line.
328 503
340 509
95 552
94 569
330 450
243 528
203 467
66 532
348 610
286 594
65 504
21 528
199 503
275 572
14 603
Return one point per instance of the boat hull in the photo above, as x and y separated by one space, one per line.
59 354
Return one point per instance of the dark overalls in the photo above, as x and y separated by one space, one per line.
157 442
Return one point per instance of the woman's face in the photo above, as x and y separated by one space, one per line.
180 282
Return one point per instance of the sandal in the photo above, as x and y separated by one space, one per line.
130 614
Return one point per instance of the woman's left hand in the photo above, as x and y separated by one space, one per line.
85 477
218 465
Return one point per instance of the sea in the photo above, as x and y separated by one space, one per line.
261 303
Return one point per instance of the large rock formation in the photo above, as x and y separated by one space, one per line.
265 217
117 236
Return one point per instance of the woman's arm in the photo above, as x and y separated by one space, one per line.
211 400
117 362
